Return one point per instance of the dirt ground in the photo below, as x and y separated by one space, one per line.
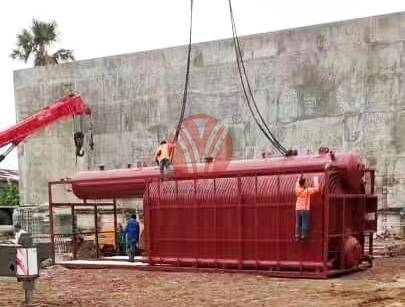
383 285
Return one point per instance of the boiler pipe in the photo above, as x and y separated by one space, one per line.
245 263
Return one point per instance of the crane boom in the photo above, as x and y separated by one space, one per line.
68 106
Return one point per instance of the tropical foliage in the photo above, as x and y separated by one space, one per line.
9 195
36 41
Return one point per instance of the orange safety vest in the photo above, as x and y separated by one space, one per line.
165 151
303 197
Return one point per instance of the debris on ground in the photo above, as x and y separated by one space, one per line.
389 246
87 250
382 285
46 263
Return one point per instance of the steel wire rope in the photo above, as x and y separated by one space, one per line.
240 63
251 110
185 92
271 138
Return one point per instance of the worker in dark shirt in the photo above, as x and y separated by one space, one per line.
132 237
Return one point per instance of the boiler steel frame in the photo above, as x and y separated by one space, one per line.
269 268
72 206
272 267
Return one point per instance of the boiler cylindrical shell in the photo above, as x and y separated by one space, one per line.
125 183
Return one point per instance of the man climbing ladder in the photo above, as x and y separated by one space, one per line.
302 207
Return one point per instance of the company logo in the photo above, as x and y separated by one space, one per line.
206 169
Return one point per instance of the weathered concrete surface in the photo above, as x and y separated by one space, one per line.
341 85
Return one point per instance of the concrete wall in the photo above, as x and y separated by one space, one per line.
340 85
391 222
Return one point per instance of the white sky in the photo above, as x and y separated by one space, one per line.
103 28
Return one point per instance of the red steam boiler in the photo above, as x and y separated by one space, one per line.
244 219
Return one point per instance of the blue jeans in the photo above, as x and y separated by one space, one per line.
132 248
301 224
165 163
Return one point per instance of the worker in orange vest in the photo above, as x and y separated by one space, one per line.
302 207
163 156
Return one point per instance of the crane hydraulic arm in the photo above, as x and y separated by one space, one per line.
68 106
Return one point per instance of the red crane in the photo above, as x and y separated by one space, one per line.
68 106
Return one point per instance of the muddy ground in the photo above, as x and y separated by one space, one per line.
383 285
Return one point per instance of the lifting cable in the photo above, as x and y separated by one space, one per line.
91 141
242 73
183 107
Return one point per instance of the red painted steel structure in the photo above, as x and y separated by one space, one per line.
120 183
73 205
245 219
68 106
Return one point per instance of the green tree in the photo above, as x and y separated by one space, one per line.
9 195
36 41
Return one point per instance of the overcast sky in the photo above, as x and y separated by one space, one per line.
103 28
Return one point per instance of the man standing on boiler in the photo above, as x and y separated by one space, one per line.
163 154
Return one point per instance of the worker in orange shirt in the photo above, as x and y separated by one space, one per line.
302 207
163 156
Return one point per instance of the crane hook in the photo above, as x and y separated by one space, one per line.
79 141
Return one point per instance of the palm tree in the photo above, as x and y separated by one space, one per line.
36 41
